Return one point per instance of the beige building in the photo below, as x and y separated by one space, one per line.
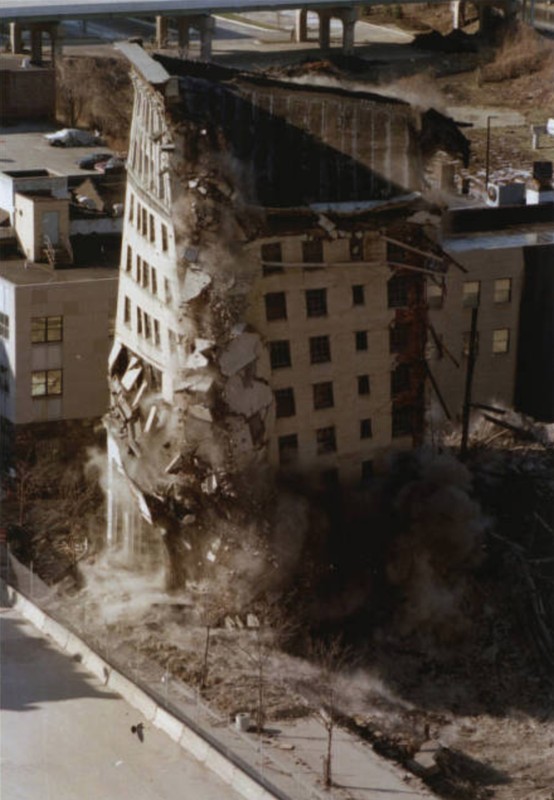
262 309
57 314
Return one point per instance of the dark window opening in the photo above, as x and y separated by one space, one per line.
400 379
363 384
366 431
288 449
358 296
284 403
401 421
361 340
312 251
279 354
323 395
316 302
271 255
326 440
320 349
275 306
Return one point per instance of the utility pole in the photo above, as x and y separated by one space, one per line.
472 355
488 151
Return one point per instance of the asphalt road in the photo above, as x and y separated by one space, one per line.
64 736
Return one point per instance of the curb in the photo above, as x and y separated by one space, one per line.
187 735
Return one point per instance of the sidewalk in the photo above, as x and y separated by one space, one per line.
289 755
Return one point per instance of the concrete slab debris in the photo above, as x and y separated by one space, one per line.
209 484
139 395
201 412
200 384
247 400
131 377
242 351
195 283
150 419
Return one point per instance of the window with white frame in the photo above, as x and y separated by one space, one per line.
470 294
4 326
46 383
500 341
503 290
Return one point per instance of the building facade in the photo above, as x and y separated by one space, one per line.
501 266
57 314
265 324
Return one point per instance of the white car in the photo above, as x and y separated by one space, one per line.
72 137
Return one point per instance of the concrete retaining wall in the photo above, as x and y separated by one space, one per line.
193 742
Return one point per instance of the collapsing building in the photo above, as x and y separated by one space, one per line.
272 316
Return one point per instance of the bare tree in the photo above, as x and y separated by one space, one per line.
212 609
331 657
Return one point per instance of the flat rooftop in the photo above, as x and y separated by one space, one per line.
523 236
24 149
17 273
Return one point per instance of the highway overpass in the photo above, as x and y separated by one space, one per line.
41 16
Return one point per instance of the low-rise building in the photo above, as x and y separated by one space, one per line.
502 265
58 289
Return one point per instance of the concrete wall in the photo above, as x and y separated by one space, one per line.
28 94
31 213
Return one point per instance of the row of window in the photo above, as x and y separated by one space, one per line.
145 223
285 405
312 253
500 341
146 275
146 326
4 326
471 292
326 438
398 288
320 349
323 394
316 302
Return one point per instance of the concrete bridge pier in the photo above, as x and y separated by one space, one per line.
203 23
324 29
16 37
348 17
162 31
301 25
183 33
36 30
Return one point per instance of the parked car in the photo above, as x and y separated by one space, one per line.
72 137
113 165
90 162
